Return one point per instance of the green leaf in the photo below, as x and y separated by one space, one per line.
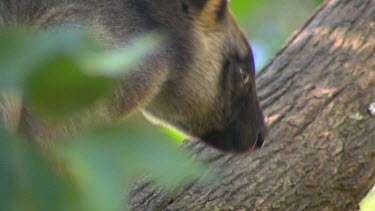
63 71
29 182
119 61
109 157
6 177
368 203
23 49
177 136
59 88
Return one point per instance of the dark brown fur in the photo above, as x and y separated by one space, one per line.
201 82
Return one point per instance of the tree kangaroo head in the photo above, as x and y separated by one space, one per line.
211 95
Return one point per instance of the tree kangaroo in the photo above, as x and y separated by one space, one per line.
201 81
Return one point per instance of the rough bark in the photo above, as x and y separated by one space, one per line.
320 154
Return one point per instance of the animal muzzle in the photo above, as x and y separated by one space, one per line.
238 137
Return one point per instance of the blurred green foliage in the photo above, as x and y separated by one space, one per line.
269 23
28 181
54 71
368 203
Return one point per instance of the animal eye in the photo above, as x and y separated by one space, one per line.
245 77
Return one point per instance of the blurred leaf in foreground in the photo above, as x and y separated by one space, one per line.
63 70
60 88
119 61
23 50
177 136
108 158
27 180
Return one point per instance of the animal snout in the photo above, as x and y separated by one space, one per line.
262 135
260 141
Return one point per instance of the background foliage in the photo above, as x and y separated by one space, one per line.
269 23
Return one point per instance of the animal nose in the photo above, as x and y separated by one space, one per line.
260 140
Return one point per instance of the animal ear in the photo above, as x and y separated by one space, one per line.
206 12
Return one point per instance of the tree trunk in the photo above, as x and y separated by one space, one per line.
320 154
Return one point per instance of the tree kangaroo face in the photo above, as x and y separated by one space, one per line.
214 99
241 125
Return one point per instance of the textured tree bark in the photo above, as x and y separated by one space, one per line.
320 154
